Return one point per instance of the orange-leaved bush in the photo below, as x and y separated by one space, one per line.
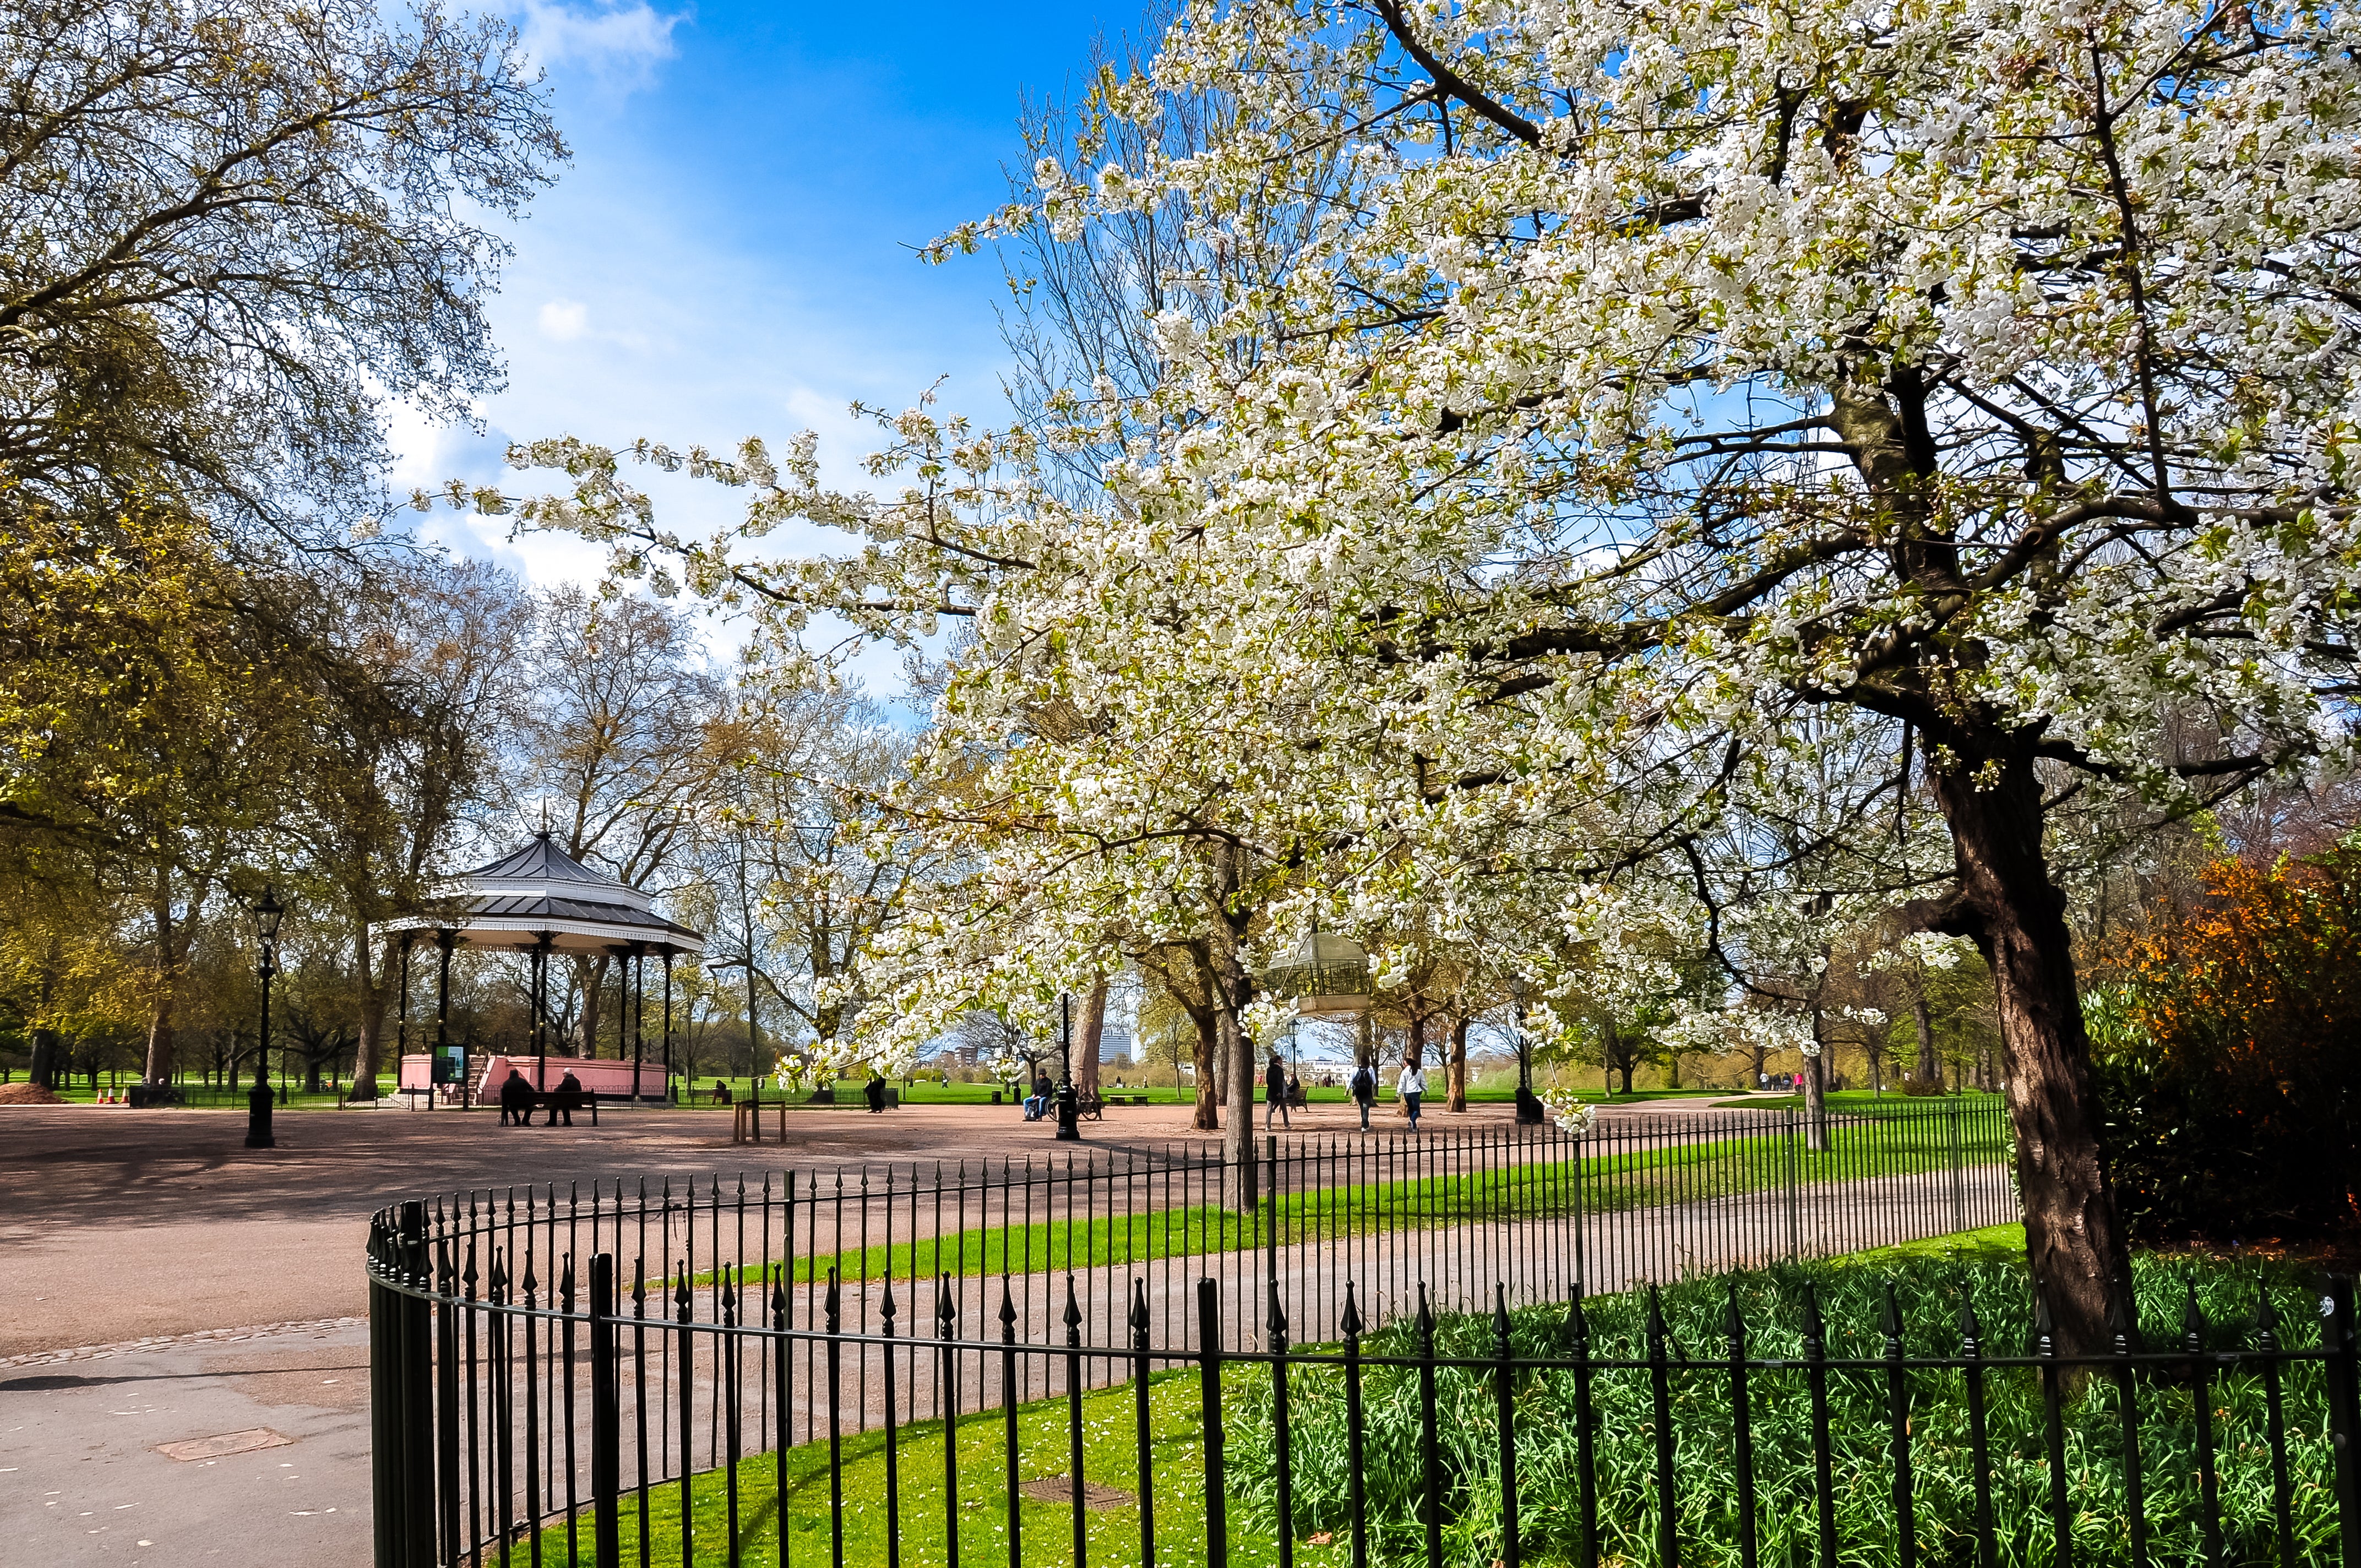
2230 1054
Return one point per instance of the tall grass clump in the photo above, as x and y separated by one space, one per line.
1929 1293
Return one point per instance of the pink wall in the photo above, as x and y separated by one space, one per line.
612 1078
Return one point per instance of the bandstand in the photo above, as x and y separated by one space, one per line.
540 901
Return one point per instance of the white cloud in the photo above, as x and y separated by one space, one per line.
562 321
616 46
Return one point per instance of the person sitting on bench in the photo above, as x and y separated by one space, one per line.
1036 1104
516 1100
561 1104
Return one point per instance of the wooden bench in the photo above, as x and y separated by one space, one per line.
1125 1099
545 1101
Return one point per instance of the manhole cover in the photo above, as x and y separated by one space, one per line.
1060 1489
227 1443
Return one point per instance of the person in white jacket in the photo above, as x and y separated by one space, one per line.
1410 1086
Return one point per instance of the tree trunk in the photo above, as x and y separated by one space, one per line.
1086 1059
48 1065
1458 1068
1816 1085
167 980
370 1038
2008 907
1205 1052
1929 1073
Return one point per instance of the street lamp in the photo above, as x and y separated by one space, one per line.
1529 1105
1069 1108
257 1100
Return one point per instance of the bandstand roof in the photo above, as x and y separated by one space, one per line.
539 890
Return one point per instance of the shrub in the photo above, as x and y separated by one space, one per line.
1929 1292
2229 1058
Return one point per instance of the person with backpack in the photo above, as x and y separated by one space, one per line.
1364 1088
1410 1086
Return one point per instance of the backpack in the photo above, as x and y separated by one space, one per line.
1365 1085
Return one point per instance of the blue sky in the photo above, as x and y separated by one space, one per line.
729 253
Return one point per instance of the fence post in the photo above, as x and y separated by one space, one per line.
385 1376
1958 1176
1209 1366
1794 1193
606 1419
414 1324
2337 1336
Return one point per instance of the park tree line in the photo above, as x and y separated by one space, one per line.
238 235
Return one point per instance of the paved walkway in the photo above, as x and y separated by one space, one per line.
133 1244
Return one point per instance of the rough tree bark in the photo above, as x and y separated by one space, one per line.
48 1067
1928 1071
1815 1083
1459 1066
2008 907
1086 1044
368 1043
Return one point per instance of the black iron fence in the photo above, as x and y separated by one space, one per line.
867 1366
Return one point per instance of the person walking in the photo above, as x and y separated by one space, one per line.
1410 1086
1274 1093
1364 1088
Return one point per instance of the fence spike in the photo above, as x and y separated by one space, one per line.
1073 1316
1891 1324
2192 1320
946 1308
1140 1319
885 1307
1972 1329
1350 1322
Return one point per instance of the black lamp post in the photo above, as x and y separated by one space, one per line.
1069 1107
257 1100
1529 1105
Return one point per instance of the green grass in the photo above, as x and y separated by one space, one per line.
848 1093
204 1097
1933 1282
1044 1529
1864 1102
1652 1175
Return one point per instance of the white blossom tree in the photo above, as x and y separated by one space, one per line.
1667 392
1988 370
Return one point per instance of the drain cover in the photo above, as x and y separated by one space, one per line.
1061 1489
226 1443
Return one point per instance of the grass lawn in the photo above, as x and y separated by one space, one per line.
1932 1281
209 1097
1614 1181
1045 1528
848 1092
1865 1102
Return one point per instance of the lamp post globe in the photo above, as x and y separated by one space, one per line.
266 912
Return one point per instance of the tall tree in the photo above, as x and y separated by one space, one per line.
236 228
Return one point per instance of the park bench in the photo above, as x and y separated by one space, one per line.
544 1101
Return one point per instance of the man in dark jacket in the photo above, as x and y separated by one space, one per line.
561 1104
516 1100
1364 1091
1274 1093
